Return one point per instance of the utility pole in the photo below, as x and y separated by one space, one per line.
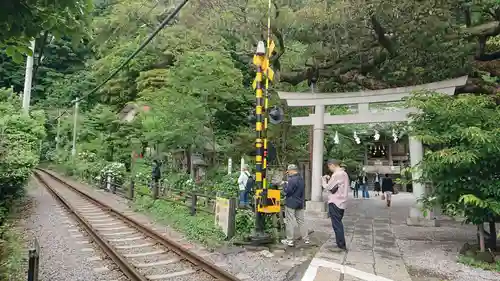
27 79
75 117
58 130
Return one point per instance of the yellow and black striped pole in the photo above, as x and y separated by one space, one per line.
263 194
259 129
268 70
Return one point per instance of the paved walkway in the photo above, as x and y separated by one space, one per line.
373 252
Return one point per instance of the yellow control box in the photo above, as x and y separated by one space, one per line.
273 200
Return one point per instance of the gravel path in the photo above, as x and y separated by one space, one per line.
431 252
66 254
439 260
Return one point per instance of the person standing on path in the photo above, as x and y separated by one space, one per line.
337 187
155 174
363 181
355 188
294 190
245 183
387 189
377 184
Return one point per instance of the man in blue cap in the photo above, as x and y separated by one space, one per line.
294 206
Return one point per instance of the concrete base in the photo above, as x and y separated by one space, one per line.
316 209
416 218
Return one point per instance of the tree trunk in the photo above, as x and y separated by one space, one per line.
491 241
480 230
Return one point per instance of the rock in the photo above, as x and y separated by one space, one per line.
464 248
485 257
266 254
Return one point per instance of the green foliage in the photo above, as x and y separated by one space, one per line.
227 185
19 141
463 140
21 21
200 228
204 85
245 223
196 76
12 253
479 264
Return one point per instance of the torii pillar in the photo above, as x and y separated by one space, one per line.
362 99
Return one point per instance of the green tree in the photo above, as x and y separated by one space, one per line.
23 20
462 159
20 137
188 108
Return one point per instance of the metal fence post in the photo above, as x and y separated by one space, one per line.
194 200
34 261
155 189
131 190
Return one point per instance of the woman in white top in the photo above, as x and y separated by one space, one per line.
242 184
377 184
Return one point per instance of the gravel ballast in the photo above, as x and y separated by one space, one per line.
245 265
63 257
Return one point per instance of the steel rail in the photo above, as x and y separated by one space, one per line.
127 268
196 260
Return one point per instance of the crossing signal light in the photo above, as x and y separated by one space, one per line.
276 115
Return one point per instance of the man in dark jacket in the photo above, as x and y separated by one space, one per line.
294 206
155 173
387 189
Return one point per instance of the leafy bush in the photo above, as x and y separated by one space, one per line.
199 228
245 222
19 141
115 170
461 161
227 185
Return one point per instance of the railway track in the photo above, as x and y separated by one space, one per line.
140 253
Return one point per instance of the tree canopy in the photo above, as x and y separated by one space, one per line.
196 73
24 20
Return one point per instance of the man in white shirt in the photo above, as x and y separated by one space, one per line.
242 184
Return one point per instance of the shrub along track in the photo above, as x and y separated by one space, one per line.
139 252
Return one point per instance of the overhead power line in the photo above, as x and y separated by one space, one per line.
141 47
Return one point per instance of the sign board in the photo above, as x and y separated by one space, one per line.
378 163
225 211
274 197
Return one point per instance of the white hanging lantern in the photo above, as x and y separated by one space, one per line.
394 135
336 138
376 136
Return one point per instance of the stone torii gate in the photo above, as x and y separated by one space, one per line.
362 99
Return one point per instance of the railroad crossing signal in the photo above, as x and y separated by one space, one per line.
263 62
276 115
